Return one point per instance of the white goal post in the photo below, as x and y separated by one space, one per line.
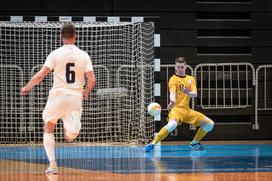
123 57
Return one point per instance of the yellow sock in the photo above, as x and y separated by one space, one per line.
199 135
160 136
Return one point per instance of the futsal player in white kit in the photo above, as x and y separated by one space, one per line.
70 67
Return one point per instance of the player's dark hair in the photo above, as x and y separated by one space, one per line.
68 30
180 60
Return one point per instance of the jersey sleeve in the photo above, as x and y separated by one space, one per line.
172 89
193 85
172 85
50 62
89 65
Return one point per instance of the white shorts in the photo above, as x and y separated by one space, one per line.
65 107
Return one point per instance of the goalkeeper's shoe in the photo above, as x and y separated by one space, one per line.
52 170
149 147
196 146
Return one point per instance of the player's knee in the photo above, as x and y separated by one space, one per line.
49 127
171 126
209 126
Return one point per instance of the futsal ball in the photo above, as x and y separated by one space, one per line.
154 109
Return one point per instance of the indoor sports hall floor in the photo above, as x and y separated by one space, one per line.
170 162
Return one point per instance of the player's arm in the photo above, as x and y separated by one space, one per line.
172 91
192 92
90 83
35 80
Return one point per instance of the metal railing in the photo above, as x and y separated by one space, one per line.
263 91
12 112
225 85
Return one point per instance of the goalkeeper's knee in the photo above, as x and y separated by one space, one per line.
171 126
209 126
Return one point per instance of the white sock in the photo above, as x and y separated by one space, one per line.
49 146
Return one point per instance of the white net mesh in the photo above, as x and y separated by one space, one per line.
122 55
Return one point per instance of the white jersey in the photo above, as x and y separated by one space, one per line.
69 64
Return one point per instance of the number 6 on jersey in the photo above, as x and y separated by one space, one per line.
70 73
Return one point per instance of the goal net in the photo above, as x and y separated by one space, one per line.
122 55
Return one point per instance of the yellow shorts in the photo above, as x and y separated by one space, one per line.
186 115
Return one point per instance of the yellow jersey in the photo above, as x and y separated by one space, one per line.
175 83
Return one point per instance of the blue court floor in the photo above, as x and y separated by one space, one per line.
165 158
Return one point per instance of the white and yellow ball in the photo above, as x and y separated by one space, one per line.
154 109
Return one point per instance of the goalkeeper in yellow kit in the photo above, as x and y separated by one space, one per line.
182 87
